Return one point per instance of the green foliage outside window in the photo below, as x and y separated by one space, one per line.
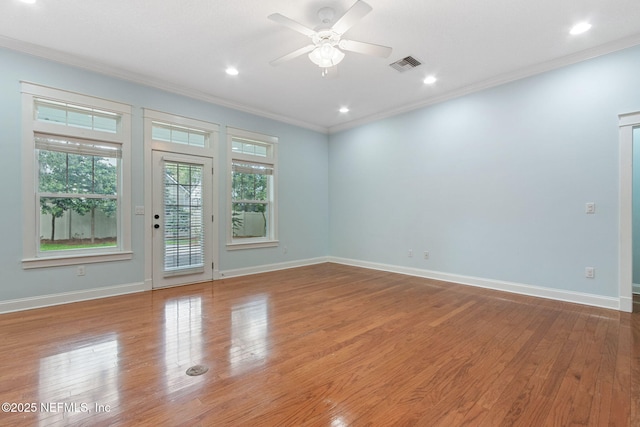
75 174
249 194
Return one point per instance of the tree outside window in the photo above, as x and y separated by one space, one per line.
78 200
250 203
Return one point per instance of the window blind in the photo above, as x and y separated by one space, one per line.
251 167
77 146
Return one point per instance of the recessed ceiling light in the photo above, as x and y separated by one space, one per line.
580 28
429 80
343 110
232 71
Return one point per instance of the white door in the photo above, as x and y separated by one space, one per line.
182 219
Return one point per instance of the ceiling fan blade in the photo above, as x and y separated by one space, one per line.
294 25
365 48
293 54
351 16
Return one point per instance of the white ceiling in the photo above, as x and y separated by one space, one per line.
186 45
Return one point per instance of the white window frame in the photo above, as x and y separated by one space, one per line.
32 257
270 159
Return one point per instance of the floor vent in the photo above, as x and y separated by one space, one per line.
196 370
405 64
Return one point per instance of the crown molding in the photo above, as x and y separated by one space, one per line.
497 81
97 67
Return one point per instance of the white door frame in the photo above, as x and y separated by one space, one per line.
627 122
149 146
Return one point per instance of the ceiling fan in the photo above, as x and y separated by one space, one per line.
327 44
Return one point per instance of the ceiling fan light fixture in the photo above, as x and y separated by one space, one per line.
326 55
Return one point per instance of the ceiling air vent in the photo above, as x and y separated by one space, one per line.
405 64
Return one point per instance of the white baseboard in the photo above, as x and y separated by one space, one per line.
68 297
110 291
636 288
626 304
517 288
622 304
271 267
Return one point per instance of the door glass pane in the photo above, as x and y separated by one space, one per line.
183 221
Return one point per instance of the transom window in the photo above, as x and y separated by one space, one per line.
179 134
252 190
76 116
252 148
77 174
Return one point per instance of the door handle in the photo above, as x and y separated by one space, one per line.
156 226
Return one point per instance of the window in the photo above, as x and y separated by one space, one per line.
165 132
78 192
252 190
76 157
169 132
76 116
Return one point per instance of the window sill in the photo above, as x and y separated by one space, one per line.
29 263
252 245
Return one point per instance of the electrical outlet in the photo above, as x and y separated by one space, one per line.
426 254
285 250
410 253
590 208
589 272
80 270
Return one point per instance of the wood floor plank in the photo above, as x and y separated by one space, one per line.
468 408
323 345
481 367
531 397
620 414
585 395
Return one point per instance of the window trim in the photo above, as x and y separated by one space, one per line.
271 159
31 256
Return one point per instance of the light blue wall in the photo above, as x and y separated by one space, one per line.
493 184
303 189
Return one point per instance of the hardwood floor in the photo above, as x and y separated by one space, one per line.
325 345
